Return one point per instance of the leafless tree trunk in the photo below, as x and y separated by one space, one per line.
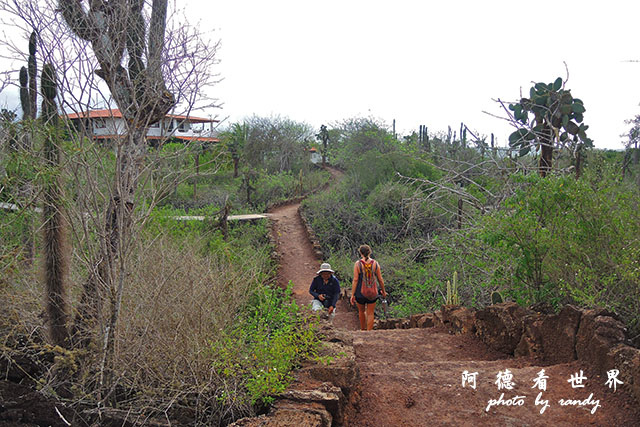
113 28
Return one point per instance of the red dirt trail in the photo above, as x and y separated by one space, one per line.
413 377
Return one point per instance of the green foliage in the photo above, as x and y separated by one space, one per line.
268 188
415 297
276 144
270 339
352 138
13 226
571 241
374 167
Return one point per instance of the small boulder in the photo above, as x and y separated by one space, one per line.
598 333
530 344
626 359
559 335
457 319
463 320
425 321
327 395
500 326
413 320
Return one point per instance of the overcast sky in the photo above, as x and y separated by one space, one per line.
424 62
436 63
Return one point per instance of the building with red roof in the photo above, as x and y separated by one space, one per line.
108 124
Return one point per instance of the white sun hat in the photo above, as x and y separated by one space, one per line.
325 266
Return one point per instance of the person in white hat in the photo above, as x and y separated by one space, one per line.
325 289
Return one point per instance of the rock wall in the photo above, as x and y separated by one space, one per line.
594 336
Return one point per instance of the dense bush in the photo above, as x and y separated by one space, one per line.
571 240
267 189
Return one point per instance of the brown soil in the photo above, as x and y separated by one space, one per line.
413 377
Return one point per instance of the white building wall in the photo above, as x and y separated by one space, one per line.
116 126
108 126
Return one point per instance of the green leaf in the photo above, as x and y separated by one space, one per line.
518 111
572 128
565 120
541 87
538 128
524 151
518 137
577 107
557 84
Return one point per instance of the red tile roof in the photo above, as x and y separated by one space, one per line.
115 113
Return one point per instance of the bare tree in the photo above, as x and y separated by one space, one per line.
128 53
115 29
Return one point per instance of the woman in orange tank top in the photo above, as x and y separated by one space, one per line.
366 305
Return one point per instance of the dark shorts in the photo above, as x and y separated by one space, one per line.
362 300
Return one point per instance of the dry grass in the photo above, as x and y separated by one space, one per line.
178 303
180 297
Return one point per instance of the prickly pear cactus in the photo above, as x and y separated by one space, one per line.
550 117
496 297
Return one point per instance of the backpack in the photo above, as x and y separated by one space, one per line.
368 285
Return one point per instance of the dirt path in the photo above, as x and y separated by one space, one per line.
298 262
412 377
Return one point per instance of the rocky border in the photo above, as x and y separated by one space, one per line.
345 292
594 336
315 242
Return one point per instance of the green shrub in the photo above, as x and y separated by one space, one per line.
571 241
270 339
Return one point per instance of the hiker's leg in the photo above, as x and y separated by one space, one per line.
370 315
362 317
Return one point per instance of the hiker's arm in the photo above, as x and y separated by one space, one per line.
354 284
336 292
312 290
379 275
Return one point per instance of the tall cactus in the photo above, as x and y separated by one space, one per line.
452 291
56 261
28 82
25 100
33 68
28 96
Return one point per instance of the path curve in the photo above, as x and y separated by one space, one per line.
298 261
